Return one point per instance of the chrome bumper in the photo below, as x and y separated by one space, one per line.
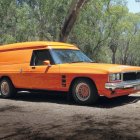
122 85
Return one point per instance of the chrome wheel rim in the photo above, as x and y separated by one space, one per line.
5 88
83 91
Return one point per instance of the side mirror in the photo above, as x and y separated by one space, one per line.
47 62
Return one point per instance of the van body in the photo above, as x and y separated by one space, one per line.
62 67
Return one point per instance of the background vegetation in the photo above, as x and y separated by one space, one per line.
104 29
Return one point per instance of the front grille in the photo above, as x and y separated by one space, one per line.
131 76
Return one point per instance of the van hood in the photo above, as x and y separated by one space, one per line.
100 67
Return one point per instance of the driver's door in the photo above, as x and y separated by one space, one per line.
39 75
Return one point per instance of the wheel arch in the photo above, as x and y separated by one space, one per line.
7 77
77 78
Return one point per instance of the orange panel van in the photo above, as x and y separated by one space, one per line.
62 67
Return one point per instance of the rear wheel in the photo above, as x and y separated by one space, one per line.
7 89
84 92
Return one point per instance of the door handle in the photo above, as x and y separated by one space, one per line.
33 67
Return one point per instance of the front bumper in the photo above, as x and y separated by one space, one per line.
122 85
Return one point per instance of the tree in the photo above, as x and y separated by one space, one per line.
103 29
70 20
129 37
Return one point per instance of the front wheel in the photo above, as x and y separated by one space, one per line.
84 92
7 89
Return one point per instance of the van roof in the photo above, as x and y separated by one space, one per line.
34 45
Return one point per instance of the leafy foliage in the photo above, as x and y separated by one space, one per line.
105 30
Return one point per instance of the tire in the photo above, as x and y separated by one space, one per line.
7 89
84 92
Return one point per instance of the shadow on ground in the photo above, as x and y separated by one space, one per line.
61 98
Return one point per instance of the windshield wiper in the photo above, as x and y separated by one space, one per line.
92 62
76 61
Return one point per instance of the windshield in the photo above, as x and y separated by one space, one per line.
61 56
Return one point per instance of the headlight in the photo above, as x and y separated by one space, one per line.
114 77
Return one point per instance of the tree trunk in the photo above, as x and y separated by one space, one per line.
114 58
74 10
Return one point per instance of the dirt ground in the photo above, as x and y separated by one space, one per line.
39 116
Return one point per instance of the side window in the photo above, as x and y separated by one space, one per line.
39 56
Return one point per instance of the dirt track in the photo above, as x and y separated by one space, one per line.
51 117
